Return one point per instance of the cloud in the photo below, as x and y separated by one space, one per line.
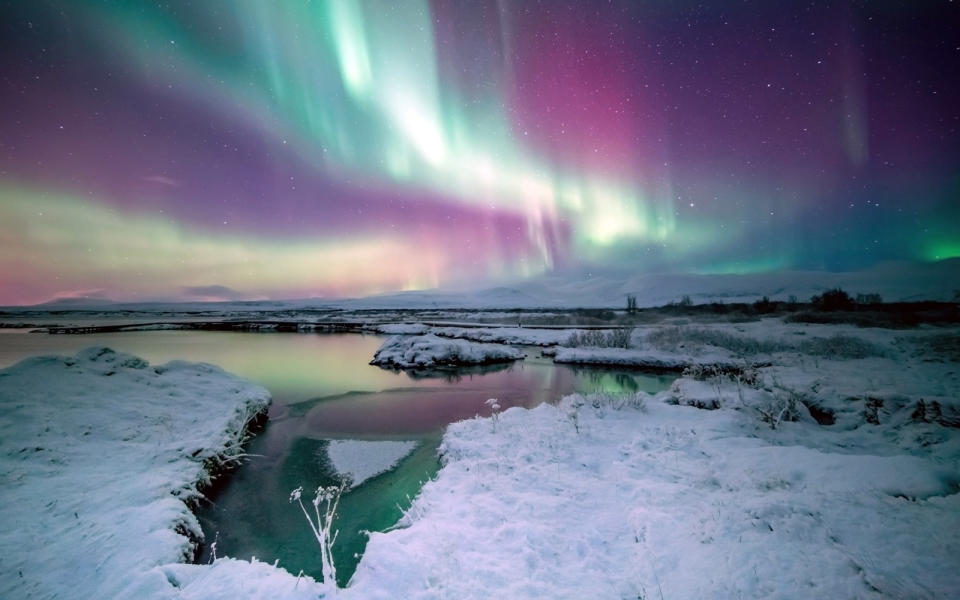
213 292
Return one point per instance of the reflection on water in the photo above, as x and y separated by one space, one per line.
324 388
294 367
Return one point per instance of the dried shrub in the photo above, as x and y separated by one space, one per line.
598 338
835 299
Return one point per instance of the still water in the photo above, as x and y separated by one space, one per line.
324 389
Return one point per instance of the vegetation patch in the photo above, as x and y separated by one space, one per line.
597 338
675 339
841 346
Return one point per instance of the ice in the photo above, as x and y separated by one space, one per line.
361 460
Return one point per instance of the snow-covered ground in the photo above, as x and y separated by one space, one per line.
422 351
644 359
100 454
827 467
506 335
667 502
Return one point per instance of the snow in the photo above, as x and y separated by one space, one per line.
894 281
361 460
593 497
668 502
232 579
432 351
402 328
583 500
100 454
646 359
506 335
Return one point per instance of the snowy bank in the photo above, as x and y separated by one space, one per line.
101 455
641 359
586 501
432 351
401 328
525 336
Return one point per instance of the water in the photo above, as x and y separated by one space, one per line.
324 389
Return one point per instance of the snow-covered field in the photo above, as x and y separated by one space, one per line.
668 502
644 359
100 454
827 467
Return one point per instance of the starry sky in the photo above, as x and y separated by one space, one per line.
222 150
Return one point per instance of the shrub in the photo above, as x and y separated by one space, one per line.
835 299
777 409
322 529
597 338
764 306
601 401
599 314
494 405
636 400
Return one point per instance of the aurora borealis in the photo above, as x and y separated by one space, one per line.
338 148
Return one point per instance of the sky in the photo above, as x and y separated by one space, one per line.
226 150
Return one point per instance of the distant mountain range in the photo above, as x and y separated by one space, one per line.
893 281
607 289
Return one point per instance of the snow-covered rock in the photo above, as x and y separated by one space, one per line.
100 454
432 351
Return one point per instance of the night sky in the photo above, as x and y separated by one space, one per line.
254 149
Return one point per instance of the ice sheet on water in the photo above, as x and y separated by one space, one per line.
362 460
